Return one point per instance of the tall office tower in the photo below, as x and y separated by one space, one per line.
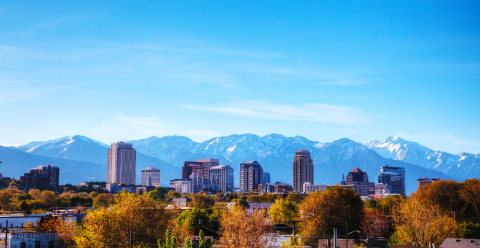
222 175
251 175
192 167
121 163
207 164
302 169
266 177
393 176
150 176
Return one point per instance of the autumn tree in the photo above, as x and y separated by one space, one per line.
375 224
201 201
283 211
296 197
444 194
103 200
422 223
238 228
328 209
471 193
388 204
105 227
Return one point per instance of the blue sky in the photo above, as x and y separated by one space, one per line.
324 70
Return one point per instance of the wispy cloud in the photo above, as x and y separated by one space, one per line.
25 93
315 112
126 128
449 138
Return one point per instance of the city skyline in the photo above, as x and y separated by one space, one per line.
361 71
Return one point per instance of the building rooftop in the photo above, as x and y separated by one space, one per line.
460 243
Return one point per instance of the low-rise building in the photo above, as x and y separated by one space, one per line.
277 187
136 189
425 181
309 187
181 202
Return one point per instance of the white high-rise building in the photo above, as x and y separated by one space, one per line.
222 177
150 176
121 163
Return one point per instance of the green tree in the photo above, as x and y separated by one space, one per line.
283 212
170 241
470 229
174 194
158 194
202 243
188 243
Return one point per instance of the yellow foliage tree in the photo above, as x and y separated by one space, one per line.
422 224
283 211
146 218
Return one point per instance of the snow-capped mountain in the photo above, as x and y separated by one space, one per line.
462 165
76 147
274 152
343 155
83 149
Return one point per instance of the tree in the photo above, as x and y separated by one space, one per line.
283 212
158 194
201 201
24 206
292 242
103 200
375 224
328 209
444 194
188 243
243 203
422 223
296 197
240 229
146 218
202 243
170 241
388 204
471 193
470 229
65 230
174 194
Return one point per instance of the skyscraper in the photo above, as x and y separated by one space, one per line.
302 169
121 163
266 177
222 175
207 164
150 176
251 175
192 167
393 176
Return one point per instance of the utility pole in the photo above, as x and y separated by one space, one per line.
131 245
6 233
346 235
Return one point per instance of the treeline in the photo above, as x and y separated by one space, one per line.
443 209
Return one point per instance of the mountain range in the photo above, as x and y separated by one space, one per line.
81 158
